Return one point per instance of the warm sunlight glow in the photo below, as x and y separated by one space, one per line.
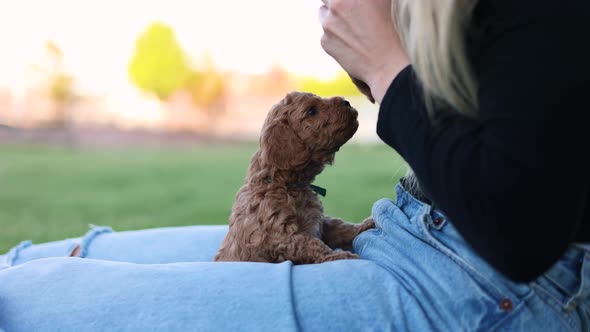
218 69
97 37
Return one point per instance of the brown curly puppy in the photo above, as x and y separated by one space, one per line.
276 215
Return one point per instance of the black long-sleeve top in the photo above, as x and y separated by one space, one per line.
514 181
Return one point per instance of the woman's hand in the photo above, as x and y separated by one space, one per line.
360 35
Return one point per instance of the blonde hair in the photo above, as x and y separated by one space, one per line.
433 33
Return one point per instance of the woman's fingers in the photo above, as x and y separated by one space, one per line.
360 35
323 13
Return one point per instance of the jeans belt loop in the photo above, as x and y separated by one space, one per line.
583 289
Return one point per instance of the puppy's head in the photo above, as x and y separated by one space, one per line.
304 128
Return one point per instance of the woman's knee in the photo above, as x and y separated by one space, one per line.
156 245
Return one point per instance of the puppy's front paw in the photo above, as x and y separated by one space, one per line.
338 255
366 225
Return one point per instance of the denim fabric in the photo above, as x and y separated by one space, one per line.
416 274
159 245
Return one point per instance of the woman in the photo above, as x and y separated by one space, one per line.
505 113
480 245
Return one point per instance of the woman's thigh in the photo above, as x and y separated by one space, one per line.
157 245
73 294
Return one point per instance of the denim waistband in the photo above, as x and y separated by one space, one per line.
567 282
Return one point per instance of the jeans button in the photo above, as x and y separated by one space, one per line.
437 221
506 305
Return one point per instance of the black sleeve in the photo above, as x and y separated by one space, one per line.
515 180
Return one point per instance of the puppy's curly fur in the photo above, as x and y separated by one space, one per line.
276 216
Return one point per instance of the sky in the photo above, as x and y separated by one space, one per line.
97 37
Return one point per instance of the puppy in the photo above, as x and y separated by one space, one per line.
276 215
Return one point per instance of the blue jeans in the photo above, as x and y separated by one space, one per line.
416 274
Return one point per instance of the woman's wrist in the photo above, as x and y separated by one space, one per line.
383 77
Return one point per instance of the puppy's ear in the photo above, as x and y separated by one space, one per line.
288 98
282 148
364 88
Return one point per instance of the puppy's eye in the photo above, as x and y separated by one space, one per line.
312 111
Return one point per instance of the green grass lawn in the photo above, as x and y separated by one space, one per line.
49 193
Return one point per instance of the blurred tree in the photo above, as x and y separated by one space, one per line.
277 81
340 85
206 86
159 65
57 84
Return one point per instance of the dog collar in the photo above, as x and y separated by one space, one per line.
318 190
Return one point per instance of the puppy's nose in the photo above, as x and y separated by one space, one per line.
345 103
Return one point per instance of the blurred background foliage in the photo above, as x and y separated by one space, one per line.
340 85
159 66
151 119
49 193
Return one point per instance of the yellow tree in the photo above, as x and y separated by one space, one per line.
162 68
159 65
